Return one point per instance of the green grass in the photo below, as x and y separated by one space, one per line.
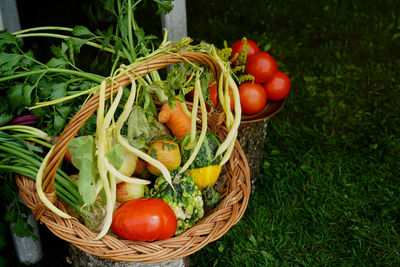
329 187
328 192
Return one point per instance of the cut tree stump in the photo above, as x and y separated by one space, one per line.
79 258
251 137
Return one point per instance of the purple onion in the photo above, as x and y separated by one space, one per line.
24 120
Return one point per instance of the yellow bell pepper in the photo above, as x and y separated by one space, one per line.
205 176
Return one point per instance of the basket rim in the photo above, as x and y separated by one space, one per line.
210 228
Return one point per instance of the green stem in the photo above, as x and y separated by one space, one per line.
155 76
44 28
59 100
89 76
38 141
31 131
60 185
66 37
127 54
22 154
60 191
130 34
30 58
22 74
35 86
19 153
114 66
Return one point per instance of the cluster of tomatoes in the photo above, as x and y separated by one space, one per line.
269 82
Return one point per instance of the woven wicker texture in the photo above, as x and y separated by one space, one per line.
234 184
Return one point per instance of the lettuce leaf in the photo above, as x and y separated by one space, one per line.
83 151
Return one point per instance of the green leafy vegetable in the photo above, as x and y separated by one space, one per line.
115 156
181 78
83 150
142 127
138 128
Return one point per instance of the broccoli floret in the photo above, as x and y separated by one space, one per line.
186 201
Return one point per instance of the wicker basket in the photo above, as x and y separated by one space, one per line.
234 186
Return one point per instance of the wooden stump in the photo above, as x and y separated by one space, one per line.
251 137
79 258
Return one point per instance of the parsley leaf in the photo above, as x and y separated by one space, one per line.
82 31
60 117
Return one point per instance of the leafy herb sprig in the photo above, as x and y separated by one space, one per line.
25 80
28 81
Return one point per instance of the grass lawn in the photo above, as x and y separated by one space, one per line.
329 187
329 190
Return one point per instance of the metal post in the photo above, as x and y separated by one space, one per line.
175 21
29 251
9 18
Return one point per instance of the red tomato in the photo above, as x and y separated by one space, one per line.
144 219
261 65
238 46
213 94
252 97
278 86
232 99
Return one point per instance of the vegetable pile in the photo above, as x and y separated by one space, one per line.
259 78
107 159
145 154
145 165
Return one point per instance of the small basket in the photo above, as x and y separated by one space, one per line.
234 185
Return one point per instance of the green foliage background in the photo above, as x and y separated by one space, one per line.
329 186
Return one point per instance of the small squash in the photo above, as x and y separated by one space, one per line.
205 176
205 169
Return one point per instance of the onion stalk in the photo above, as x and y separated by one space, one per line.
29 130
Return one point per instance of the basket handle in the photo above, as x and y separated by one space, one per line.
91 105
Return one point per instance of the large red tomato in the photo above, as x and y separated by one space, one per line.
252 97
261 65
144 219
278 86
238 46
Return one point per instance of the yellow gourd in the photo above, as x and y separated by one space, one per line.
205 176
